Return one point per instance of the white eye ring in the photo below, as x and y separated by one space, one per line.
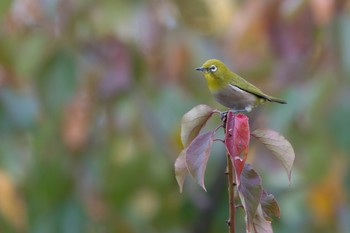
213 68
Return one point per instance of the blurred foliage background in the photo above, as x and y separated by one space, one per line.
92 94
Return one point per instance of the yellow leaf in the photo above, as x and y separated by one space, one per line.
11 205
325 197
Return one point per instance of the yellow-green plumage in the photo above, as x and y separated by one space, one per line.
231 90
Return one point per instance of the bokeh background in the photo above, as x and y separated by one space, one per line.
92 94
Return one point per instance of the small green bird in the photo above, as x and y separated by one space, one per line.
231 90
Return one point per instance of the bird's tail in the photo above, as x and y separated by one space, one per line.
273 99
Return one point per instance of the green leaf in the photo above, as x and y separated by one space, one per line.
19 109
181 169
57 81
197 155
5 5
269 206
279 146
250 191
193 121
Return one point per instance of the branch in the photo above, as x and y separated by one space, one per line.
231 195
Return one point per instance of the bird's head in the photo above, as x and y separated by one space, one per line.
213 69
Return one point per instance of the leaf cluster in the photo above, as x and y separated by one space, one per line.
260 206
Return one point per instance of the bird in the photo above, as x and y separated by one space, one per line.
231 90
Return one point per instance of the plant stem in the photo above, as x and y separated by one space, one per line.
231 195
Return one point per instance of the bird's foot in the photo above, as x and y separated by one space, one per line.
223 116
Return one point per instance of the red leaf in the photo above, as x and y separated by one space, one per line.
197 155
237 138
238 163
237 134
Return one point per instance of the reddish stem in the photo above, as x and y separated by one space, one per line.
231 195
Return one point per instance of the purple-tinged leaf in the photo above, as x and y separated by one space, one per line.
181 169
269 206
279 146
250 190
197 155
112 61
193 121
260 224
237 134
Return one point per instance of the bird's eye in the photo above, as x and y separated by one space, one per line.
213 68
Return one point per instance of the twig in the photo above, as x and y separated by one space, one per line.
231 195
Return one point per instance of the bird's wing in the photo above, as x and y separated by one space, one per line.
243 85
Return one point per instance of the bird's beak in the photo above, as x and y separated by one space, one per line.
202 69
